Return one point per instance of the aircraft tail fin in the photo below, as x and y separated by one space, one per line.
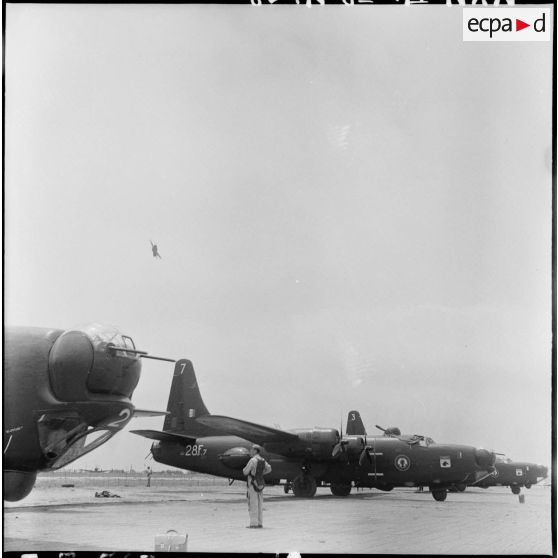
355 425
185 403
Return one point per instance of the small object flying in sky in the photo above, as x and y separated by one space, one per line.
155 250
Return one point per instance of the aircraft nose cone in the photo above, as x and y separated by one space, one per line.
485 459
92 360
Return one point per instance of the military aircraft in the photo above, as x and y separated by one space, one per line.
65 393
514 474
505 472
194 439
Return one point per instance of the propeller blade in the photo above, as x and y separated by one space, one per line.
364 455
337 449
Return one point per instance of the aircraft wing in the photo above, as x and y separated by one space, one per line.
247 430
165 436
140 413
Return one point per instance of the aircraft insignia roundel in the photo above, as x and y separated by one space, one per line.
402 462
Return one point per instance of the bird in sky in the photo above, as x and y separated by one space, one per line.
155 250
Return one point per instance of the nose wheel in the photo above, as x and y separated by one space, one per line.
338 489
439 494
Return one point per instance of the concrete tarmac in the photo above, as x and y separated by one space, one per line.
477 521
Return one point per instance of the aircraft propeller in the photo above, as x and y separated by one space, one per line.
365 453
340 447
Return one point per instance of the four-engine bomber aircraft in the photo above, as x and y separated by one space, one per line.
65 393
194 439
514 474
505 472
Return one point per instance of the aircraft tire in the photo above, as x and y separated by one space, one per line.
439 494
528 485
515 489
304 486
338 489
461 487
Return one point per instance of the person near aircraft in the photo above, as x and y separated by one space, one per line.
149 472
254 472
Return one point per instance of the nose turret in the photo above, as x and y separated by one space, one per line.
93 360
485 459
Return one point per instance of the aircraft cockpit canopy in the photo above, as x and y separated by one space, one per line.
425 441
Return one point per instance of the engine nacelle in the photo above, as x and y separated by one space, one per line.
318 442
354 445
235 458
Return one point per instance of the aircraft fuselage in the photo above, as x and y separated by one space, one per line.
66 392
392 462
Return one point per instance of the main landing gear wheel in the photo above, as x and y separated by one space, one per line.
439 494
304 486
515 489
528 484
460 487
340 489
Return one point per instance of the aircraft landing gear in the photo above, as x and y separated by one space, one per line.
515 489
528 484
460 487
304 486
288 486
338 489
439 494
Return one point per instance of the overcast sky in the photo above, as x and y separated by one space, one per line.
353 208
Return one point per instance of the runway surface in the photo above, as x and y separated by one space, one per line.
477 521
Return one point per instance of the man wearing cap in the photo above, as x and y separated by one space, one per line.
255 469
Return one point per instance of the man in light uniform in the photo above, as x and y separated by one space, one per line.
254 471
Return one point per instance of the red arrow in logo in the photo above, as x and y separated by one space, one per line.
519 25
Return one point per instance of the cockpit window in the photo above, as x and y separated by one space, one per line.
425 441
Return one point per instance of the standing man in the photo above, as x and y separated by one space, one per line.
149 472
255 469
